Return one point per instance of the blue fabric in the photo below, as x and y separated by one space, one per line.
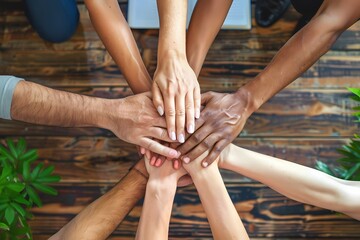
54 20
7 88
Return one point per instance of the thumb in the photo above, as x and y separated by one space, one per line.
206 97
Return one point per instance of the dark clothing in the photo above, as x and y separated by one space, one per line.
307 8
53 20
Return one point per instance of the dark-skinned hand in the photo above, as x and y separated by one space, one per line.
221 121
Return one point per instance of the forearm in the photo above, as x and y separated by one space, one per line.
206 21
118 39
172 16
100 218
223 218
37 104
303 49
295 181
156 212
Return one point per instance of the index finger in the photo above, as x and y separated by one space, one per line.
158 148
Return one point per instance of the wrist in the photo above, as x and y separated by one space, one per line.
162 186
246 95
104 116
199 174
225 157
172 54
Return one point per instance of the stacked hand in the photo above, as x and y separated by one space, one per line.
176 93
222 119
135 120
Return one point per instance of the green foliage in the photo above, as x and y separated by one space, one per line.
348 167
21 180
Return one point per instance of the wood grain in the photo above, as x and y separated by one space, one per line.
264 212
306 122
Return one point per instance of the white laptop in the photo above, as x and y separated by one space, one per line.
143 14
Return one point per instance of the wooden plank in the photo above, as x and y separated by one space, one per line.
223 71
264 212
300 113
256 38
99 159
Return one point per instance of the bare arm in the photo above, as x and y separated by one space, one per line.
159 197
206 20
295 181
100 218
176 91
133 119
294 58
118 39
304 48
224 220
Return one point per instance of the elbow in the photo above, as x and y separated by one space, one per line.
331 25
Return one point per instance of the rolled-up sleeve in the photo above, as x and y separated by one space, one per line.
7 88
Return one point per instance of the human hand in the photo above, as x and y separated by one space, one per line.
176 92
166 171
222 119
135 120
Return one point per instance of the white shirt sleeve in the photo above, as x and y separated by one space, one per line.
7 88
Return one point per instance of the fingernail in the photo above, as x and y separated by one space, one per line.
191 128
173 136
173 153
152 161
197 113
186 160
176 164
181 138
205 164
158 163
160 110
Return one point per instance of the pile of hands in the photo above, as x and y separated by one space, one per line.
174 122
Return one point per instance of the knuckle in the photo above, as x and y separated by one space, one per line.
217 149
149 145
189 106
170 112
197 137
180 112
163 134
206 143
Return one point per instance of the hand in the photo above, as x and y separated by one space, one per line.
164 172
135 120
176 93
222 119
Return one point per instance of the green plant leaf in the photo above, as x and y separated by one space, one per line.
49 179
355 91
9 215
355 98
16 187
33 196
21 146
6 172
45 189
7 154
22 200
36 171
18 208
324 168
11 146
47 171
29 156
26 170
352 171
4 226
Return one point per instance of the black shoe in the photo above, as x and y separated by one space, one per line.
268 12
